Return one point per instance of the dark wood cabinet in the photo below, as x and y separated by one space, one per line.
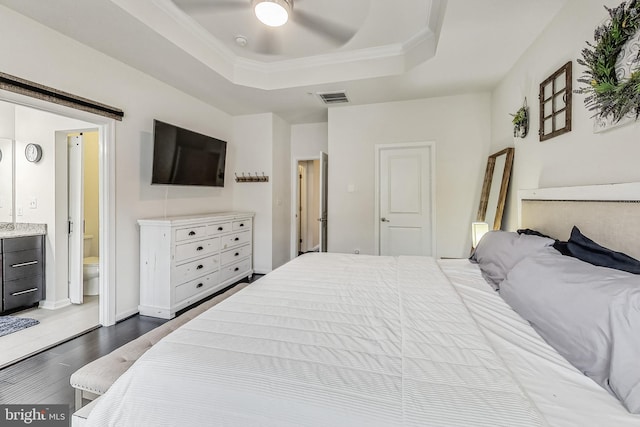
21 271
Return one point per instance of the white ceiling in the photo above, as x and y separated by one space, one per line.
423 48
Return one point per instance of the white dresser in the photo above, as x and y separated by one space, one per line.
186 258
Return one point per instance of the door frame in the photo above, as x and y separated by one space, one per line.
107 213
295 187
376 220
303 202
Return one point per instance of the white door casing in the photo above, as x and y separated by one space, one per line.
76 216
302 211
405 211
324 181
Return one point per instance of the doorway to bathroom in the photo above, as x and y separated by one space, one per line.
84 219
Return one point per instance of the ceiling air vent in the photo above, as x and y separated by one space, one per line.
339 97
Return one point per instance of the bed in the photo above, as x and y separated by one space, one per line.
337 339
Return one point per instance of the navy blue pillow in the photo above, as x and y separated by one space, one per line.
559 245
581 247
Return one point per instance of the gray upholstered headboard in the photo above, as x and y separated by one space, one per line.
608 214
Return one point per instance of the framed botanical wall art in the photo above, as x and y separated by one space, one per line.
612 75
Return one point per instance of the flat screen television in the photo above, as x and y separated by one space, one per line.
184 157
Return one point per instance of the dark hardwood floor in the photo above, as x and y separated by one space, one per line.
44 377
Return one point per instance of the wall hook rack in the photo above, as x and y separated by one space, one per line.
251 178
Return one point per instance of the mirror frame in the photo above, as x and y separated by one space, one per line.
504 186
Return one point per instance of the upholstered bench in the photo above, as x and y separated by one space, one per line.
95 378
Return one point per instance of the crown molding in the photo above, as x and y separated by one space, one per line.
164 17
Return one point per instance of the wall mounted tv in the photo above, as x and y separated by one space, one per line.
184 157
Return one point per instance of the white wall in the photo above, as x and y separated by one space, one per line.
75 68
579 157
460 127
254 153
281 197
308 140
263 144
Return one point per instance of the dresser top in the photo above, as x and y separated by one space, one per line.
21 229
199 218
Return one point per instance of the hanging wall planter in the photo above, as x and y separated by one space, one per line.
521 121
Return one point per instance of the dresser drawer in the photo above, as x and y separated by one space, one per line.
191 233
241 225
236 239
194 287
193 269
235 254
13 244
22 264
185 251
215 229
22 292
239 268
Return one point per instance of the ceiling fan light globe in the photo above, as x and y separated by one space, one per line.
273 13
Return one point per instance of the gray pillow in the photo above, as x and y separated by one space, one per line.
498 251
589 314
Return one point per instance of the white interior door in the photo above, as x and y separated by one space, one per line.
324 173
76 215
405 185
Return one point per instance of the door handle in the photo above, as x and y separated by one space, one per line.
383 219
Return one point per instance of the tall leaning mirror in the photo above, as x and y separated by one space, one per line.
6 180
494 188
7 146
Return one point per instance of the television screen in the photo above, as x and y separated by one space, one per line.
184 157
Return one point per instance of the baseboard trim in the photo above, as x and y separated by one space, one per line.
126 314
54 305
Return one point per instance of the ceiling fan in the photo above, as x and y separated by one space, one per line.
273 14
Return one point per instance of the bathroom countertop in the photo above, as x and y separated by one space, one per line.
21 229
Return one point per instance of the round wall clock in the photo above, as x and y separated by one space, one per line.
33 152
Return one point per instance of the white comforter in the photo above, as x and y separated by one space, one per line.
326 340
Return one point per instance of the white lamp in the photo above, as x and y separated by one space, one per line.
478 229
273 13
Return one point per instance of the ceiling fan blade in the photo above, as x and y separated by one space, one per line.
331 30
268 42
212 6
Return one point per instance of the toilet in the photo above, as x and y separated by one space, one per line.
90 269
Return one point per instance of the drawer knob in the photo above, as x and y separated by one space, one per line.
236 254
192 233
236 269
200 267
236 239
199 285
220 228
199 248
242 224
